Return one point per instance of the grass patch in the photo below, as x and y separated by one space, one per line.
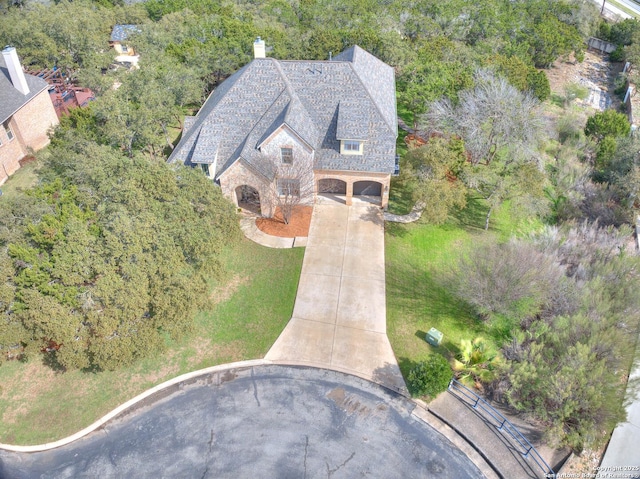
24 178
418 258
248 310
400 198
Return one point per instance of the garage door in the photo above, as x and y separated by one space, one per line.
367 188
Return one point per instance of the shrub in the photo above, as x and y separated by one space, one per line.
430 377
607 123
618 54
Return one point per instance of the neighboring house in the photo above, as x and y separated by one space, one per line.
337 116
64 94
125 53
26 113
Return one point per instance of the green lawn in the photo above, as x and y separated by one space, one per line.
249 310
418 259
22 179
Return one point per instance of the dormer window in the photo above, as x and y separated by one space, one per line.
286 154
351 147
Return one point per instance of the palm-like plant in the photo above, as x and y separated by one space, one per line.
477 362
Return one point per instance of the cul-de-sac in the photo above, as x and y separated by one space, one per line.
319 239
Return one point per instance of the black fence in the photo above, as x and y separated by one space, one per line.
503 425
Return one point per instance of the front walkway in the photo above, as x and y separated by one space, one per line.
339 317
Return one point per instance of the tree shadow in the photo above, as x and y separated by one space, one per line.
473 215
397 230
50 360
389 376
372 214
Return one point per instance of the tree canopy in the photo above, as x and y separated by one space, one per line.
108 257
500 127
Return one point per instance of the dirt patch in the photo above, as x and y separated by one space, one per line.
227 352
224 352
224 292
26 160
154 377
596 73
298 224
22 389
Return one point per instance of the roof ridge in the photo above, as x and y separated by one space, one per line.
294 98
356 48
375 104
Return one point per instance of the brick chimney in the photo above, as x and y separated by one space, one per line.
259 48
15 70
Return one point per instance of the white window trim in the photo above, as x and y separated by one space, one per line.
8 131
282 148
345 151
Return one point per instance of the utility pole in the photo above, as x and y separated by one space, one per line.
602 9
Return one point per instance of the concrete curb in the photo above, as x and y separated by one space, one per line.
310 364
123 407
421 411
251 231
457 437
476 456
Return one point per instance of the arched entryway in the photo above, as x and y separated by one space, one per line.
248 198
370 190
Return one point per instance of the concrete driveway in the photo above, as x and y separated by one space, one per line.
258 422
339 318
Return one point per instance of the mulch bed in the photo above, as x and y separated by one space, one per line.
298 224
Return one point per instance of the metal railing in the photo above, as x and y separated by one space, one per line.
502 424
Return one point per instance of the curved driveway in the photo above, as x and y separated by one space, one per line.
258 422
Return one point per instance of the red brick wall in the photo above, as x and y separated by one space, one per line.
30 126
32 121
10 154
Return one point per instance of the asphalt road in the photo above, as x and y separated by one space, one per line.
263 422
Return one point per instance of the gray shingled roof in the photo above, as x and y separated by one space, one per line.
353 119
121 32
188 123
11 100
350 97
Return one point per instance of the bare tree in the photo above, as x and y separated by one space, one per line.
493 118
500 127
292 186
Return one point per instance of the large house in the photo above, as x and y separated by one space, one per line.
26 113
269 121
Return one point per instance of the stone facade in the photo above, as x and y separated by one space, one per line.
300 168
240 174
30 126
